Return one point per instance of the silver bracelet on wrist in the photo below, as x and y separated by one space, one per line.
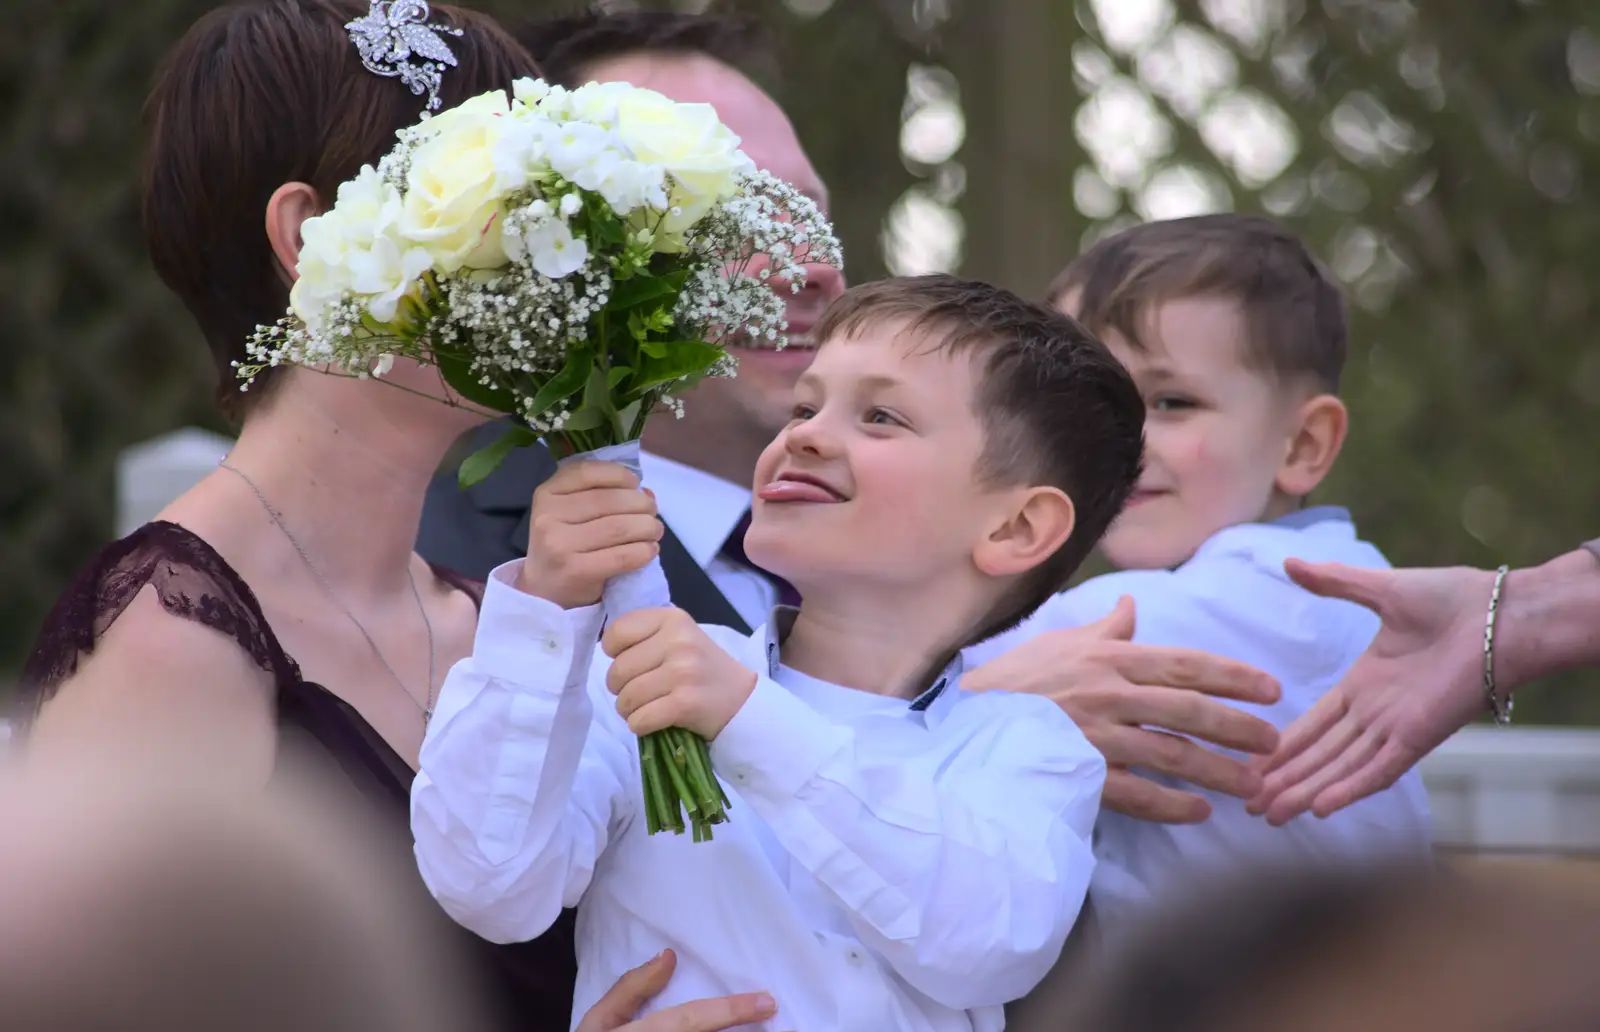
1499 708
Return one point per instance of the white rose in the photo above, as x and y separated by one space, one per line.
452 204
691 145
484 105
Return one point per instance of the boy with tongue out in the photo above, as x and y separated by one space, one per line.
902 854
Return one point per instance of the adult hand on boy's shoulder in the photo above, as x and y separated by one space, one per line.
667 672
1128 698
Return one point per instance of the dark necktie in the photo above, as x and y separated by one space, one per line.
733 550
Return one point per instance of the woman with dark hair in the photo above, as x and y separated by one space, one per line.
277 608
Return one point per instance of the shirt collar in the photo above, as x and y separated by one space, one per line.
701 509
1303 518
781 622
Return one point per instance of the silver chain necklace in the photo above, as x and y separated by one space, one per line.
426 707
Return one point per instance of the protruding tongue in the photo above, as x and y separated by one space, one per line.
795 491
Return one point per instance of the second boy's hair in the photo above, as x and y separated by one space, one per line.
1293 310
1056 407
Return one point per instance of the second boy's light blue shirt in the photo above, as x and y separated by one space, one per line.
1233 599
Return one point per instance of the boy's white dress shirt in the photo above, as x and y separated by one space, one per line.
887 864
1233 599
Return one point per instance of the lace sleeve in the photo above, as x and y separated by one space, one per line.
192 581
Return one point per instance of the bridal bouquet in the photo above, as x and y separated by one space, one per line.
571 259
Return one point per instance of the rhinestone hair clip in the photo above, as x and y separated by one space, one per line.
396 42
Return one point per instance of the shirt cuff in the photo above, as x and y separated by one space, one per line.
775 743
512 624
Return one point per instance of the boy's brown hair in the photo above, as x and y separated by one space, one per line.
1293 309
1056 407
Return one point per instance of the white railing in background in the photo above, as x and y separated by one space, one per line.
152 474
1517 790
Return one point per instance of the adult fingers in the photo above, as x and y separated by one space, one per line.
1197 671
712 1015
1306 729
633 990
1297 772
1200 716
1353 757
1377 774
1131 795
1335 580
1179 758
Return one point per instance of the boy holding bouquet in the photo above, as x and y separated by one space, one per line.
902 854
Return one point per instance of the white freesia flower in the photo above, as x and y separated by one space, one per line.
554 251
382 366
530 91
333 245
597 102
386 272
571 204
518 153
573 146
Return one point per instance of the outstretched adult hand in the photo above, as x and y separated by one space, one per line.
614 1012
1135 702
1419 681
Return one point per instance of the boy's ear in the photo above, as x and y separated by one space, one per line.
1318 433
1038 525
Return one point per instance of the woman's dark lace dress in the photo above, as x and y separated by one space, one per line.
532 981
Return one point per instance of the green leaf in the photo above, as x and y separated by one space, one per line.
626 420
456 370
684 358
616 376
564 384
597 392
643 290
478 465
585 418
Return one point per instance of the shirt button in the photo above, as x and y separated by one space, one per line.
853 956
740 773
550 645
